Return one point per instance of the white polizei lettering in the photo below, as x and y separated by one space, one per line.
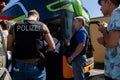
37 28
28 28
18 27
33 27
23 27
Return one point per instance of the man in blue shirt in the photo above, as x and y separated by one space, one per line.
77 48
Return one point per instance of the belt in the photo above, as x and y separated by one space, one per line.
28 61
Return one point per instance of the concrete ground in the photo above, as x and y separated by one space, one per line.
97 73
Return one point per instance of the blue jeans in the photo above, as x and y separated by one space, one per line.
78 67
23 71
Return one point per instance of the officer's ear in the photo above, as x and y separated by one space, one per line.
37 18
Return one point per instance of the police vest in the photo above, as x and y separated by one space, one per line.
28 39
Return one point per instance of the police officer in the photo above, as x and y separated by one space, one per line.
26 37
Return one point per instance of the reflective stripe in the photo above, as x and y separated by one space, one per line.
23 8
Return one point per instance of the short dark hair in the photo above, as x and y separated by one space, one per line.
6 1
115 2
33 12
99 1
4 24
118 1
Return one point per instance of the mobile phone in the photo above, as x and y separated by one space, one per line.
95 22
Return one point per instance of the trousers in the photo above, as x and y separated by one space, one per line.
78 67
24 71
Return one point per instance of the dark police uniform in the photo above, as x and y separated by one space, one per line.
28 43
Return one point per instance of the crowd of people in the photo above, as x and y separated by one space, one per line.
25 39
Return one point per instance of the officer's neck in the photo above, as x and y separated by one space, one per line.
32 18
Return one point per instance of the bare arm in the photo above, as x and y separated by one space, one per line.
77 51
10 39
10 42
49 39
101 41
111 38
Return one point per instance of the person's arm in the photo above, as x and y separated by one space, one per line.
111 38
101 41
77 51
10 40
49 39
